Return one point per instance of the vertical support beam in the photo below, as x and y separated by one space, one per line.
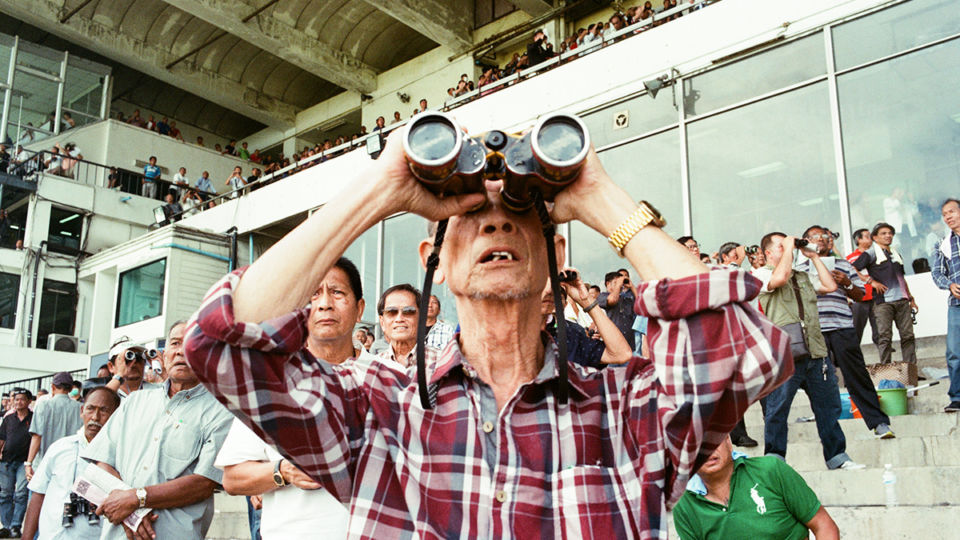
8 92
63 81
684 162
839 160
105 97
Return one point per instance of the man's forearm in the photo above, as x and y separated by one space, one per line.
781 273
34 447
180 492
31 519
616 350
827 283
296 264
249 478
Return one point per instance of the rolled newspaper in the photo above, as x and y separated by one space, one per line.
95 484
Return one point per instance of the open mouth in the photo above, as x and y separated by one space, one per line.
497 255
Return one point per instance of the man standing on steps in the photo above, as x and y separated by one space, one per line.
788 297
14 444
735 496
836 323
946 274
863 309
53 419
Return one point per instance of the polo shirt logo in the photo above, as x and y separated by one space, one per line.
761 505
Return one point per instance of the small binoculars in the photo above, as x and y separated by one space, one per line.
143 356
545 159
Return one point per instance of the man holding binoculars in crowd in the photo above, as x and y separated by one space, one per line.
126 365
498 451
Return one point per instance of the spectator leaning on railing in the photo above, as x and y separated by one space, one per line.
151 176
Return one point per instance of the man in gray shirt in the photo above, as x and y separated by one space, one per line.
53 419
162 443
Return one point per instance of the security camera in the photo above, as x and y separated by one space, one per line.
403 97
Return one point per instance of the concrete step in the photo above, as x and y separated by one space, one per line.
916 486
926 347
925 451
229 519
912 425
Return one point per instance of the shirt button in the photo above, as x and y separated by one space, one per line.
487 426
501 496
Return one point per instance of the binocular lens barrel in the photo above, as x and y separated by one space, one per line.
560 140
432 144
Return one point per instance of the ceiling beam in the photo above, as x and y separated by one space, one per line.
290 44
447 22
534 7
134 52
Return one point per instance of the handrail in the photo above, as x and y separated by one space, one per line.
36 383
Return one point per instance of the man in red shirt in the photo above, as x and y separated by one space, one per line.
863 310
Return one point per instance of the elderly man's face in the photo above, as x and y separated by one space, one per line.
399 319
96 410
495 253
334 309
174 363
433 307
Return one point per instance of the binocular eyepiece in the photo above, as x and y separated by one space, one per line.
143 356
546 159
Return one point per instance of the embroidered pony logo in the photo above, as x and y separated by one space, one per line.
761 505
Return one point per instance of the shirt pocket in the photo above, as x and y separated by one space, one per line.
179 447
591 503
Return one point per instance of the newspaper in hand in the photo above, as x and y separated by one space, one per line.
95 484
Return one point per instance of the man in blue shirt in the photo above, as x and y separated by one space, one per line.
151 176
946 274
618 303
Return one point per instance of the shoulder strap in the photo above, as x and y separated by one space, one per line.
796 291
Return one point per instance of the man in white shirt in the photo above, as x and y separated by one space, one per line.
180 183
294 506
53 482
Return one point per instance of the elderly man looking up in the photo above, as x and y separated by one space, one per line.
397 309
294 506
162 442
53 481
498 454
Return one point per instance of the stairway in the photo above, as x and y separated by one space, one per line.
925 456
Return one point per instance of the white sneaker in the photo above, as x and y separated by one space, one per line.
851 465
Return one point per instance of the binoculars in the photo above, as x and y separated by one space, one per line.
78 506
143 356
544 160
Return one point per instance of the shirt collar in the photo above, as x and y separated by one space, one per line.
452 357
191 393
696 485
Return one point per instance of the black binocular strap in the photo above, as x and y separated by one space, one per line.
548 234
427 395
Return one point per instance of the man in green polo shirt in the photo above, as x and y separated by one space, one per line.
734 496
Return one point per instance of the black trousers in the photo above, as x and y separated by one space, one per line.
846 354
862 313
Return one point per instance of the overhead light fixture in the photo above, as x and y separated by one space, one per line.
71 217
374 144
761 170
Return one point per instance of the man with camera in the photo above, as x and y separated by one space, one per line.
789 299
836 323
618 302
497 452
892 301
126 364
162 443
54 510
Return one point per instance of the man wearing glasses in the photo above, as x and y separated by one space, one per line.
397 309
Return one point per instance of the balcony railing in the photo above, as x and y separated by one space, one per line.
33 384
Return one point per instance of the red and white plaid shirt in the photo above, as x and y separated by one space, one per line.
601 467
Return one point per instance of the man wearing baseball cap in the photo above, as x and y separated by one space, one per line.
54 418
126 367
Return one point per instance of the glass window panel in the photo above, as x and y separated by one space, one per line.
12 201
4 61
770 70
32 105
900 124
401 261
9 294
630 118
363 253
58 310
768 166
64 230
648 169
141 293
892 30
82 92
47 60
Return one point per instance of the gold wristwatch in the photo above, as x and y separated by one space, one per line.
142 497
645 215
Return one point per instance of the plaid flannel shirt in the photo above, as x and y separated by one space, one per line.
946 269
604 466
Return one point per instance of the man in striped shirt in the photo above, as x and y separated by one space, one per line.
836 323
498 455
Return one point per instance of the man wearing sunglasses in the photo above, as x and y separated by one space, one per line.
397 309
499 453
